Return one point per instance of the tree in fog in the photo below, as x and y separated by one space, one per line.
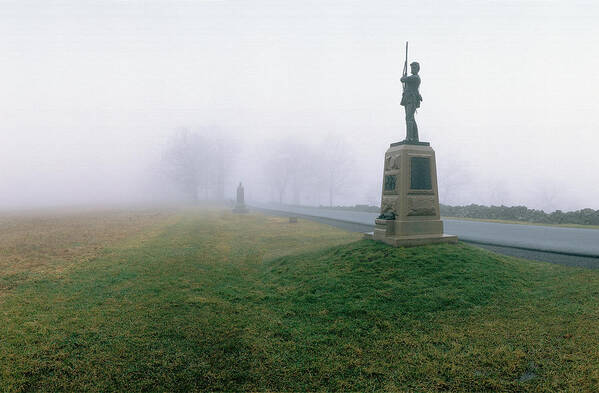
546 194
292 169
308 172
198 162
182 161
303 171
278 169
222 157
454 179
336 166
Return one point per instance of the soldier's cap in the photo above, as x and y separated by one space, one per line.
415 63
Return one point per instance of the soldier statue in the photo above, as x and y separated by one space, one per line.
410 99
240 202
240 196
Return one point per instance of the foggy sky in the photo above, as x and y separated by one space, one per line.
92 91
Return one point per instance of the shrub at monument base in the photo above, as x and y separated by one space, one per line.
209 300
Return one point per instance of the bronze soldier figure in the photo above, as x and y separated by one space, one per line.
410 100
240 195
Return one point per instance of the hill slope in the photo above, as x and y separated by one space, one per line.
212 301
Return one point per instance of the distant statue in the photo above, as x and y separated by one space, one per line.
240 197
411 99
240 202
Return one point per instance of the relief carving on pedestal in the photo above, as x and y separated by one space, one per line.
392 162
390 205
390 184
421 206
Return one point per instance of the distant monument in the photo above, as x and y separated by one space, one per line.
240 202
410 201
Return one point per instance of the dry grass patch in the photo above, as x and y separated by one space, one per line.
51 241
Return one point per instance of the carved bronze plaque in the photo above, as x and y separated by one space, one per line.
420 173
390 181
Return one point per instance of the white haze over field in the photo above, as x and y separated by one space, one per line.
93 91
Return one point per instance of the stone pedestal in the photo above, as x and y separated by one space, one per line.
240 201
410 202
240 209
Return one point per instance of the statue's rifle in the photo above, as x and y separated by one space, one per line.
405 65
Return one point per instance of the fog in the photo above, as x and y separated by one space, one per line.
95 95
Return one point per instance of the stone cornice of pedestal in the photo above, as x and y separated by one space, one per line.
410 143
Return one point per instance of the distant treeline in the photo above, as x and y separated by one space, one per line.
522 213
511 213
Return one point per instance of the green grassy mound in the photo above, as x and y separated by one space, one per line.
215 301
369 317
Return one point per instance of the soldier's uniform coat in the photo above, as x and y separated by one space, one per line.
411 95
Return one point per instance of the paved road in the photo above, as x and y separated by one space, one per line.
570 246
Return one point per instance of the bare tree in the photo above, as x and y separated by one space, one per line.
300 169
279 169
288 169
182 161
221 158
303 170
337 165
198 162
546 195
454 179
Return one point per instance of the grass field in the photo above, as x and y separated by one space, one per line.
201 299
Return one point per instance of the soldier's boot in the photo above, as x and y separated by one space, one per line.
414 131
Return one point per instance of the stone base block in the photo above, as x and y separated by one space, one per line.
415 240
408 228
423 227
368 236
240 209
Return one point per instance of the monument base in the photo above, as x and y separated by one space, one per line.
411 233
409 227
240 209
410 198
416 240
